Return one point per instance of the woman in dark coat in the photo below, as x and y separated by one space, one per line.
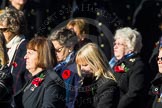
157 84
129 70
99 88
64 41
45 89
12 25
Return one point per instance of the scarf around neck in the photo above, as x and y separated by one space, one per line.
13 45
63 63
113 61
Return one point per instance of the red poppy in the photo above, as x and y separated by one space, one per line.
14 64
66 74
119 69
37 81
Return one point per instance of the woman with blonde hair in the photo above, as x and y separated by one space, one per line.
80 27
99 88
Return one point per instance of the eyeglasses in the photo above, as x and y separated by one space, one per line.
3 29
159 58
118 44
59 49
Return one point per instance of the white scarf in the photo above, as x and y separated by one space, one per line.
13 46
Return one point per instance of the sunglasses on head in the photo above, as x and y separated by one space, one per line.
3 29
159 58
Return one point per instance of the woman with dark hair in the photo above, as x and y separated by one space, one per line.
44 89
156 89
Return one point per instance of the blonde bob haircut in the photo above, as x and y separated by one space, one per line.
45 50
92 55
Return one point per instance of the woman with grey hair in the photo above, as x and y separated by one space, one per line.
129 70
64 41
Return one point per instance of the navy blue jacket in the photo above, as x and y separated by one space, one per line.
19 72
69 73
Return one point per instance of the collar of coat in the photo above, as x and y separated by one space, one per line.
128 61
158 80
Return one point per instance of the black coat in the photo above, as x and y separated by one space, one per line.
6 82
49 94
134 82
156 91
102 93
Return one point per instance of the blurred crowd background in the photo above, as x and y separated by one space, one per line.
104 16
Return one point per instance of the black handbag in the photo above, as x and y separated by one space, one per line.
6 82
6 79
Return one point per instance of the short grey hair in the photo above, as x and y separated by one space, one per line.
132 38
64 36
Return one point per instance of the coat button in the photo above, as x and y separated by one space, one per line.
156 89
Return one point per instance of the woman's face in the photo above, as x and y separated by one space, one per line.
31 60
159 60
86 68
61 51
19 2
120 48
8 35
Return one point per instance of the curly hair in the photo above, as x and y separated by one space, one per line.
13 20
